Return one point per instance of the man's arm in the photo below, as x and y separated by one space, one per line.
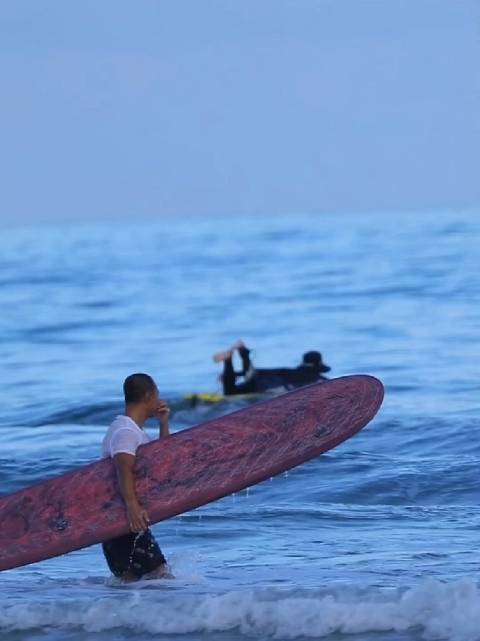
137 515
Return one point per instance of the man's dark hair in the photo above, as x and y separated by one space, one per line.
137 386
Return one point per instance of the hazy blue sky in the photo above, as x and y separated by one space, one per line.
125 109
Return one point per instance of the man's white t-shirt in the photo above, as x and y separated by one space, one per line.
123 436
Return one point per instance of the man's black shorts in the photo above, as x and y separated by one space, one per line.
133 554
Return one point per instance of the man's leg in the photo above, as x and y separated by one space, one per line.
228 376
244 353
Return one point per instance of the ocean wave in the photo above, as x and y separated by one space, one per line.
437 610
187 410
94 414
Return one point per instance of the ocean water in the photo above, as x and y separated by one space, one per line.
374 541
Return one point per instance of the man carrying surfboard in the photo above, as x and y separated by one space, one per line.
136 554
255 381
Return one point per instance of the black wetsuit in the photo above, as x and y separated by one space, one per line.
262 380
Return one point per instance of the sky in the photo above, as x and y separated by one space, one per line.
120 110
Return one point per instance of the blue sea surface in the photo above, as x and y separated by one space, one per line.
374 541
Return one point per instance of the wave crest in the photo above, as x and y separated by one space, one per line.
440 610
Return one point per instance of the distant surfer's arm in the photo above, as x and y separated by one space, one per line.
163 415
137 515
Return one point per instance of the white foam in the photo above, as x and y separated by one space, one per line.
449 611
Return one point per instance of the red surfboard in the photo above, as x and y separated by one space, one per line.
185 470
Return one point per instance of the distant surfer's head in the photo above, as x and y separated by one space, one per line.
139 388
314 359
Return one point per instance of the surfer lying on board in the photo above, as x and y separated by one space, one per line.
256 380
136 554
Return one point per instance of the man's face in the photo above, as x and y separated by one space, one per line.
152 401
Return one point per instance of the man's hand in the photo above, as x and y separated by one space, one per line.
137 517
162 413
